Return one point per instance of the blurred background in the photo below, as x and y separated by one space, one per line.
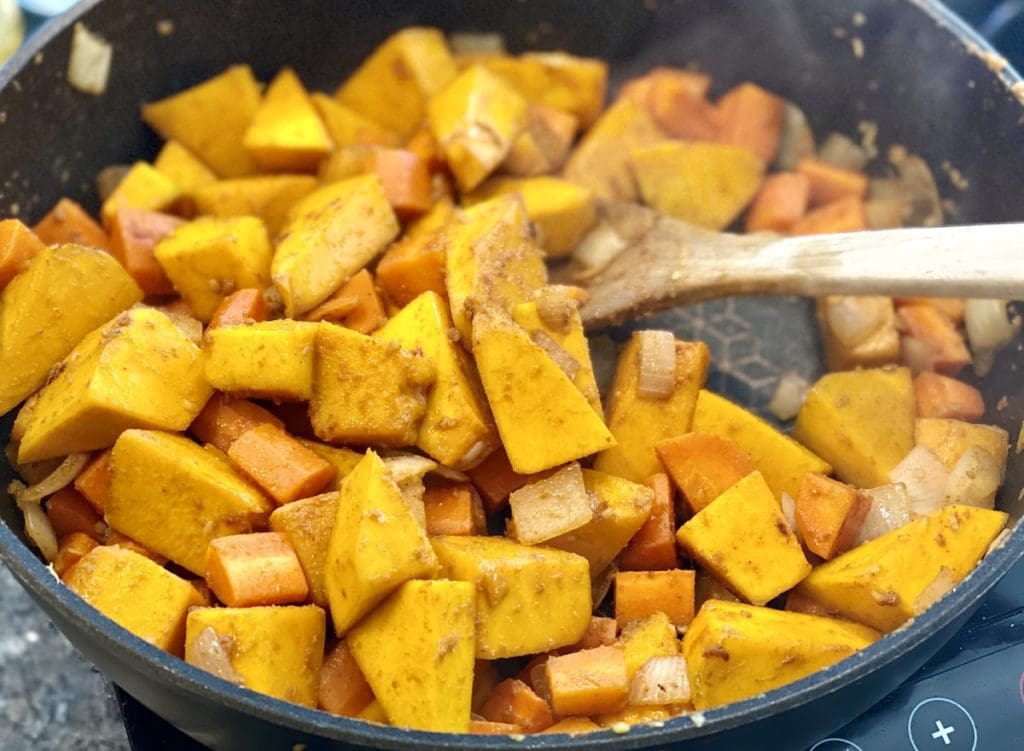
999 21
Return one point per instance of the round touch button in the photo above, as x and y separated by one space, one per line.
940 724
835 744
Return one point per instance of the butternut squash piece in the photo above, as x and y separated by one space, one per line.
286 133
307 524
568 83
267 197
269 360
144 187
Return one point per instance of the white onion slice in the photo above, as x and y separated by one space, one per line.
476 43
917 355
211 652
191 327
408 470
661 681
890 509
789 511
943 582
89 62
854 319
657 354
37 526
988 330
842 152
60 478
975 479
924 476
789 396
597 249
566 362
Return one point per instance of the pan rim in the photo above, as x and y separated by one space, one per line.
38 579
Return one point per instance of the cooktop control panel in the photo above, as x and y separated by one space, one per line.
969 697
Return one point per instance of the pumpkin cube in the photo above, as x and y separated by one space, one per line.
269 360
144 187
307 524
268 197
286 133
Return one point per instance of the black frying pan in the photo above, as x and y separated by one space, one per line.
918 81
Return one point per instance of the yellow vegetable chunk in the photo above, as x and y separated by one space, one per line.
623 507
376 544
307 524
781 460
861 422
264 360
491 262
562 212
743 539
274 650
416 651
342 459
346 127
269 197
136 594
138 371
183 169
639 422
333 233
886 581
286 133
210 119
654 636
948 439
457 429
531 397
528 599
209 258
572 84
392 86
476 119
144 187
601 161
173 496
707 184
36 331
735 651
366 390
564 327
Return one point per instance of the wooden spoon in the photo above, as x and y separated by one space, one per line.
664 263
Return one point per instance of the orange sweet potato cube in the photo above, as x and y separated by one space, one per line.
751 118
941 396
588 682
412 266
224 419
71 550
357 305
18 246
240 308
703 466
93 482
454 510
495 479
829 514
653 547
405 177
829 183
255 569
133 235
343 687
514 703
639 594
68 222
281 466
69 512
843 215
600 632
781 203
930 325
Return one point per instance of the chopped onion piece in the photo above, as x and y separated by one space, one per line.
789 396
191 327
975 479
797 138
924 476
476 43
988 330
661 681
843 152
854 319
37 526
890 509
556 303
211 652
943 582
408 470
657 379
789 511
60 478
108 178
89 62
917 355
275 303
551 507
566 362
450 474
597 249
884 213
924 205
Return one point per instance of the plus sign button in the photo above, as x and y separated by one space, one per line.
939 724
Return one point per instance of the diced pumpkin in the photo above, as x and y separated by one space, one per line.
948 439
743 539
269 360
144 187
72 548
861 422
555 79
876 348
347 127
307 524
544 144
286 133
268 197
186 171
653 636
887 581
